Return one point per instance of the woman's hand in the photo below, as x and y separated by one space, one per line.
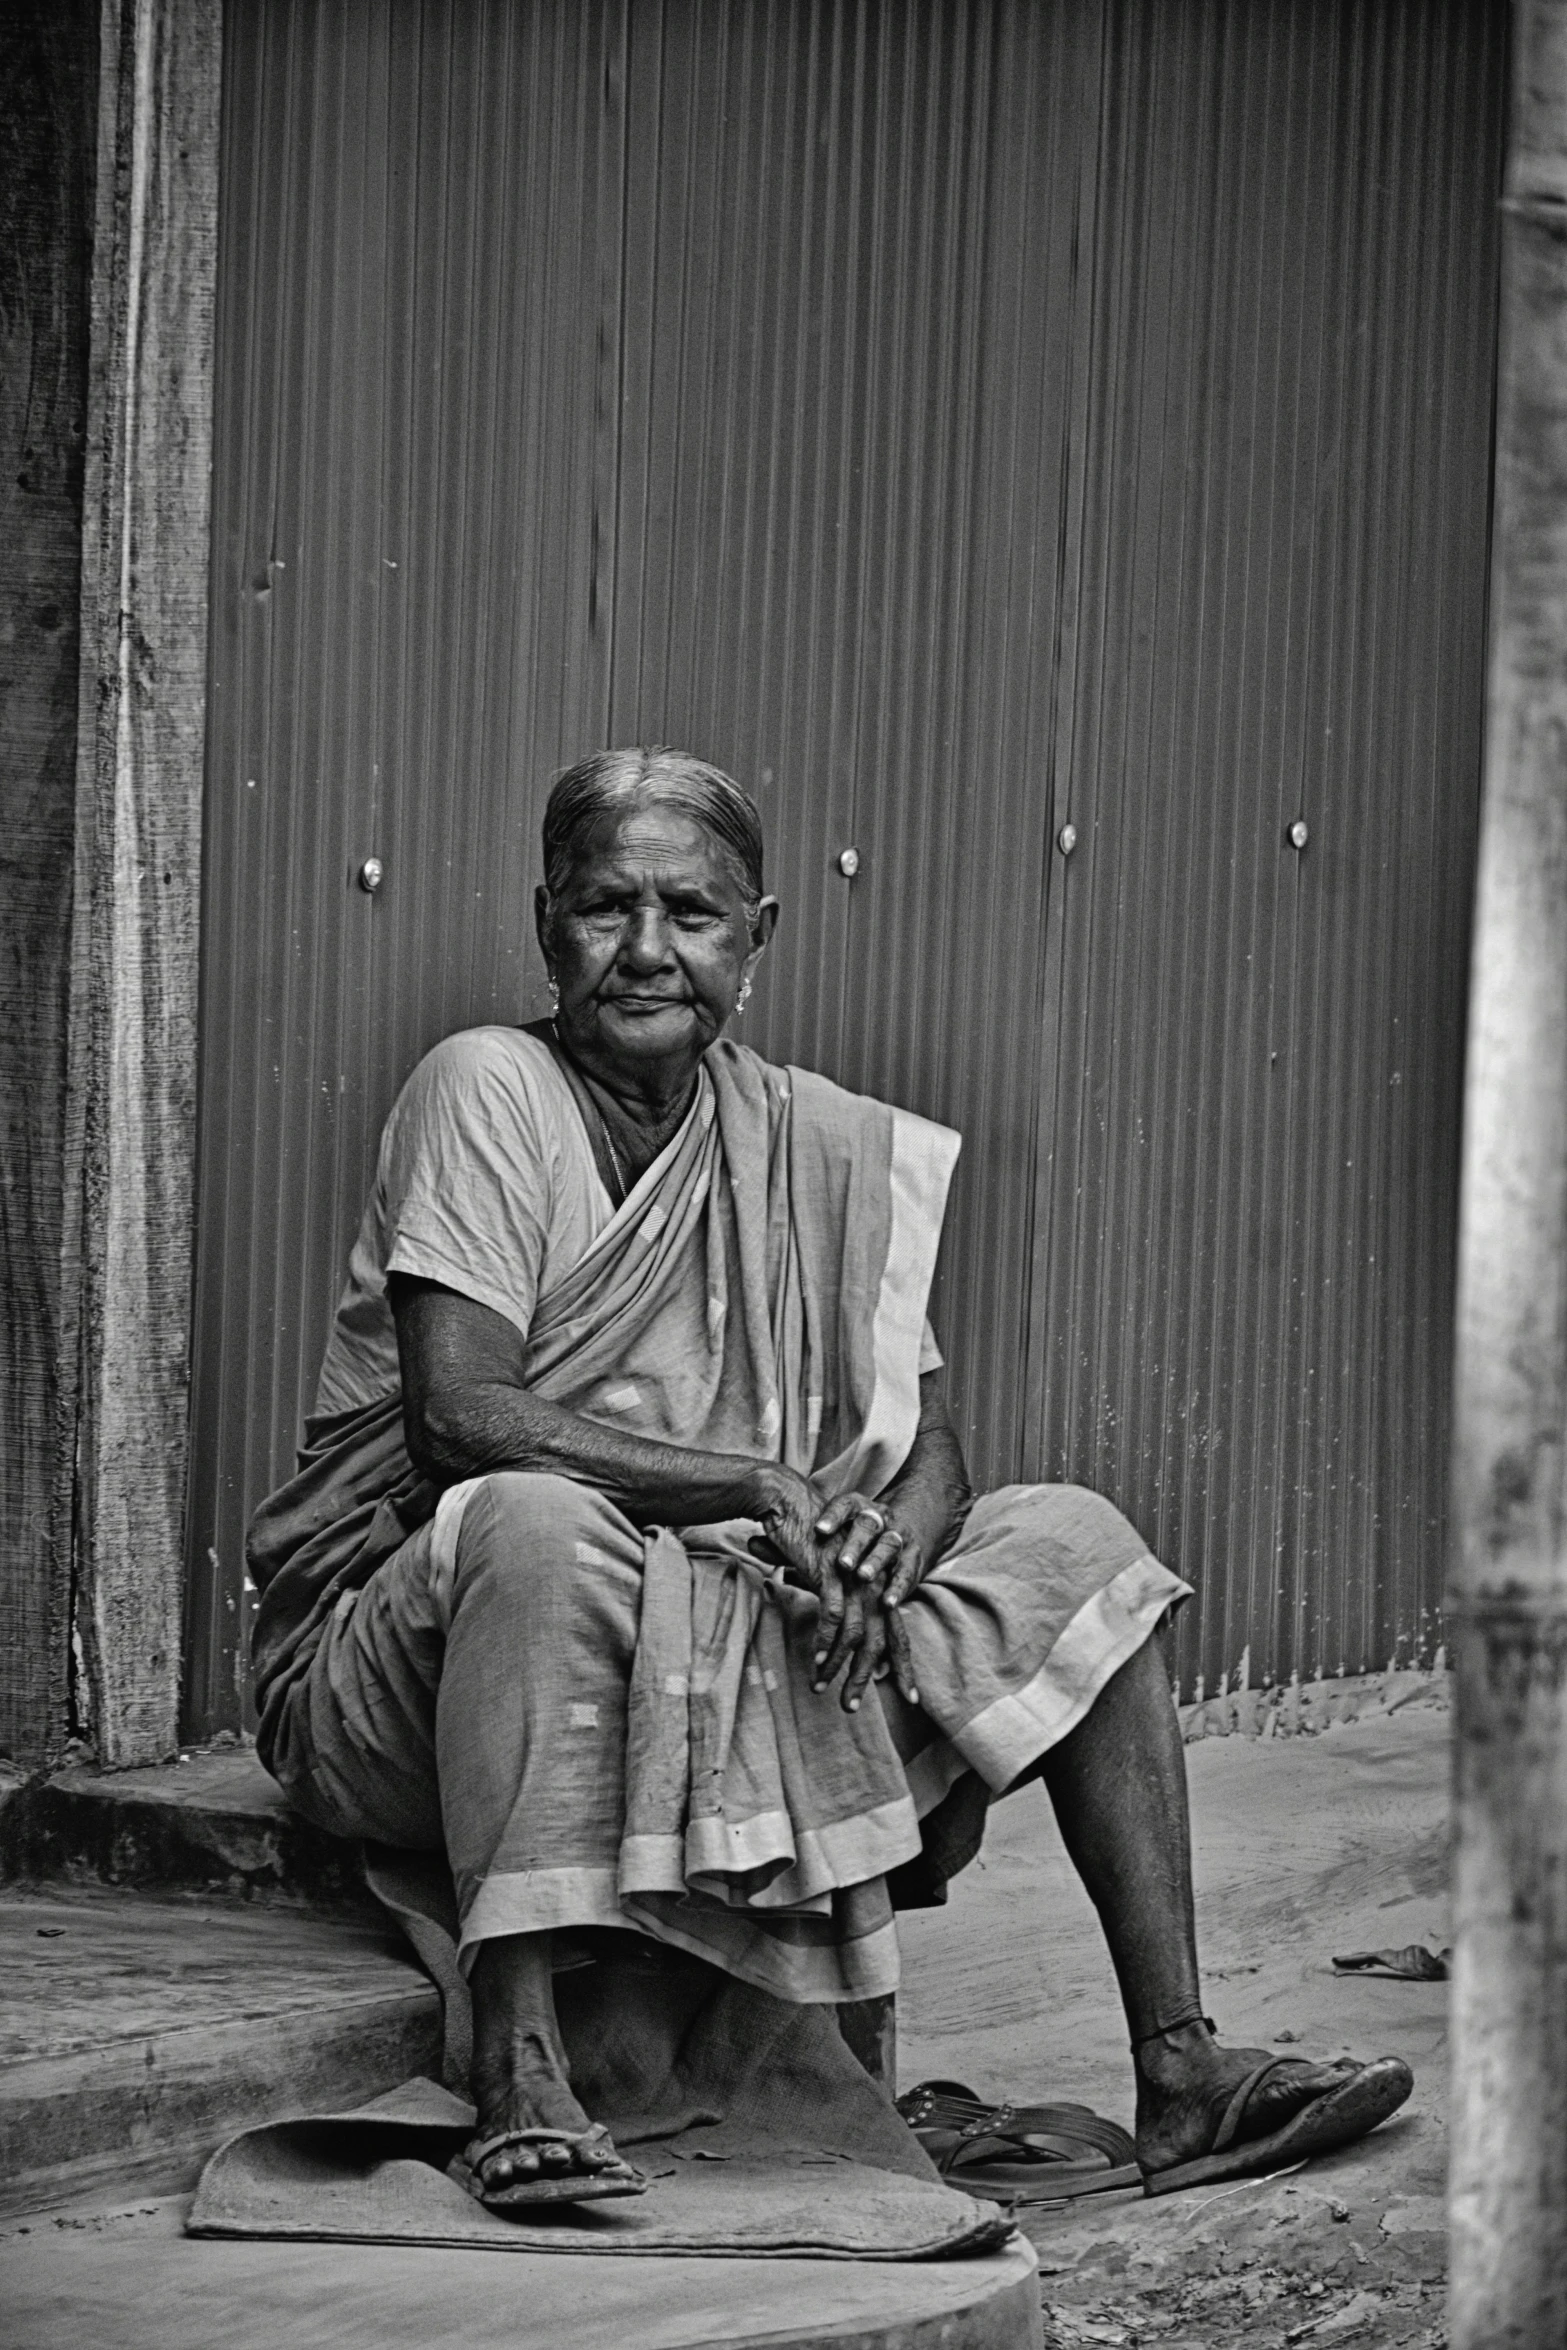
850 1628
881 1557
787 1505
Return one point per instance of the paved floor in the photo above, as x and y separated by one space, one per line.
1304 1847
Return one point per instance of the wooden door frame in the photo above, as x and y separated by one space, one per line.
127 1249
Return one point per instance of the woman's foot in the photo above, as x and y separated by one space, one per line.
531 2130
1187 2084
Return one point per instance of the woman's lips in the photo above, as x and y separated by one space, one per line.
647 1003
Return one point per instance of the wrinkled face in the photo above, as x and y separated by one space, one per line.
648 942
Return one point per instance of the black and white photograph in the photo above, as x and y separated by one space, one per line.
783 1174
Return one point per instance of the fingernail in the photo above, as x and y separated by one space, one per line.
892 1600
914 1697
819 1659
866 1574
823 1526
854 1705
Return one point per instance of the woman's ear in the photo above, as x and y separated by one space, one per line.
763 923
541 922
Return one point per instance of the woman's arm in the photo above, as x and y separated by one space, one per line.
466 1411
931 1496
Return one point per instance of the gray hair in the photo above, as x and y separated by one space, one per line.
611 783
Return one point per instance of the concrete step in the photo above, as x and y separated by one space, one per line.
183 1956
212 1823
139 2031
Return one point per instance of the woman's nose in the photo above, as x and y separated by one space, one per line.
646 941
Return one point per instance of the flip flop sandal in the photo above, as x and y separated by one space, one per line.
1045 2153
546 2186
1413 1964
1336 2118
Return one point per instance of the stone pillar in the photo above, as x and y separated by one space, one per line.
1509 1570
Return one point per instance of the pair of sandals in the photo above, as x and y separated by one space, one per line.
1030 2153
1054 2153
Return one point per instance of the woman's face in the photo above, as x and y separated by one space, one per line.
648 942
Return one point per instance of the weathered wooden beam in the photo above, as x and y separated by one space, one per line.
48 123
1509 1572
142 719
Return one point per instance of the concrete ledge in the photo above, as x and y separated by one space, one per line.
215 1824
138 2284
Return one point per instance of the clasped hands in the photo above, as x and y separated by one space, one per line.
862 1559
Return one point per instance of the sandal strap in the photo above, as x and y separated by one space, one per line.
966 2116
1076 2125
478 2152
971 2133
1235 2111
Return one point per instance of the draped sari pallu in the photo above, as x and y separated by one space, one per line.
762 1290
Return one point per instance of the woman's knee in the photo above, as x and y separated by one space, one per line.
1050 1525
521 1526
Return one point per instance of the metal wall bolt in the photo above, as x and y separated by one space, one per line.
1066 839
1299 833
371 875
849 863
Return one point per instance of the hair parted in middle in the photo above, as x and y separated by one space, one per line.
610 783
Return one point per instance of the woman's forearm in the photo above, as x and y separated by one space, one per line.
931 1492
466 1413
494 1425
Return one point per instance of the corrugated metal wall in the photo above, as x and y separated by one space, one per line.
1247 1190
957 416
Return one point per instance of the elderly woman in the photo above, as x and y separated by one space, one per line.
632 1559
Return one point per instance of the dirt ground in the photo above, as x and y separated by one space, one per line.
1305 1846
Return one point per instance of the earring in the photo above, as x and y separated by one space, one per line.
744 997
554 988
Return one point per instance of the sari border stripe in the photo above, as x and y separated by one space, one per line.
829 1857
920 1173
537 1901
1004 1737
933 1773
530 1901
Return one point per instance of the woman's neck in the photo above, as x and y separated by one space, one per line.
638 1118
656 1097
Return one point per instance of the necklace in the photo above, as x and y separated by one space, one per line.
584 1092
614 1155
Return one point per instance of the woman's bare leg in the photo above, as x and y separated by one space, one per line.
1118 1783
521 2079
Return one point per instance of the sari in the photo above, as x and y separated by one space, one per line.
761 1290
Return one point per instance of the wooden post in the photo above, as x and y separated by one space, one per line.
1509 1579
48 133
141 729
